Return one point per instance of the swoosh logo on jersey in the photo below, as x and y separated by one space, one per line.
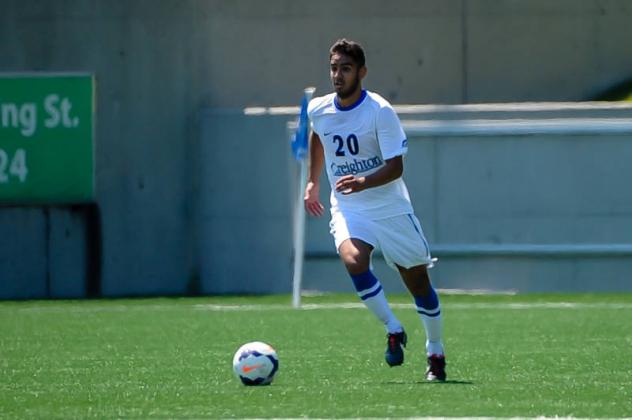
326 134
248 369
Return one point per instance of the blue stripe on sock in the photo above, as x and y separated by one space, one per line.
373 293
364 280
419 311
429 302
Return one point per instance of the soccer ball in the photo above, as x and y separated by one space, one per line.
255 363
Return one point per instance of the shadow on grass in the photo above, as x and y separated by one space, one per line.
447 382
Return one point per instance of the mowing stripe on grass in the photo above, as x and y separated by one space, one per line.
53 308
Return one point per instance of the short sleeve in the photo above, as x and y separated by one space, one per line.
390 134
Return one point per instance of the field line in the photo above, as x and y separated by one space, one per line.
466 306
458 418
218 307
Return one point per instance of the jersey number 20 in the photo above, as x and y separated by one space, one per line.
352 145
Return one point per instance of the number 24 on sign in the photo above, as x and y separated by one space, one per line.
13 166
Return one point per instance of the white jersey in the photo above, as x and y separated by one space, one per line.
357 140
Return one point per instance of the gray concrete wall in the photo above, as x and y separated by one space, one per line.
540 212
23 253
158 63
43 252
245 212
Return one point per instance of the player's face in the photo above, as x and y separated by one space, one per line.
345 75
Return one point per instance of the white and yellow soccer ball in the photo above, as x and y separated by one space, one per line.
255 363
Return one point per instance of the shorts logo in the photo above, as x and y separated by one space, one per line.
356 167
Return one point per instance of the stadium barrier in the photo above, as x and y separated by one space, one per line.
529 197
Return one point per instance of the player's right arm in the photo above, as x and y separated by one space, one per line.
313 206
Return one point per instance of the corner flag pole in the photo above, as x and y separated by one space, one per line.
300 145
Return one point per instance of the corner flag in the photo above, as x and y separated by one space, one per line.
299 150
300 140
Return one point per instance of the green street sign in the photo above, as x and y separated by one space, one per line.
46 138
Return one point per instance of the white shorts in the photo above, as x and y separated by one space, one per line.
400 238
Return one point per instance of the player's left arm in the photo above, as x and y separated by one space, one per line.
393 168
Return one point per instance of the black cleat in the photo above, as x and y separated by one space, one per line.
395 344
436 368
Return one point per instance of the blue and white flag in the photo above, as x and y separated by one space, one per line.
300 141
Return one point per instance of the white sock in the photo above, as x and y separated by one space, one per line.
370 291
429 310
379 306
433 326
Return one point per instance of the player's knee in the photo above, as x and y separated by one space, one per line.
356 267
355 255
355 262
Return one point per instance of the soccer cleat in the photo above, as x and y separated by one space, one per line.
436 368
395 344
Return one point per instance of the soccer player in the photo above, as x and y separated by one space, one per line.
358 137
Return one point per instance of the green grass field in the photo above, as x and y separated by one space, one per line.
527 356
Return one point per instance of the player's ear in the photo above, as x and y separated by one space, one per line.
362 72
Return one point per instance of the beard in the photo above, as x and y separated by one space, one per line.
345 93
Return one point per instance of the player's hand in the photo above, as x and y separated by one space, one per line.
349 184
313 206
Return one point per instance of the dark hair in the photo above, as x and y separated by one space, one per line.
350 49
